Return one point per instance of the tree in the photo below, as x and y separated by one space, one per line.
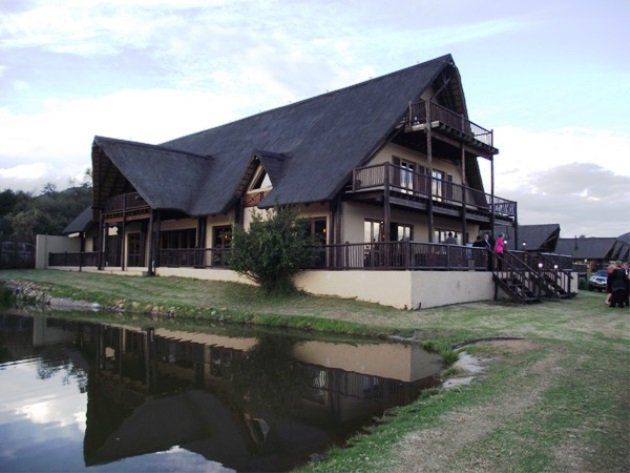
272 251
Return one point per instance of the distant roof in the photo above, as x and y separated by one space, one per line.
625 238
81 223
313 145
587 247
536 237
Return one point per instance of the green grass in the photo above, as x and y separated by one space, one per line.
569 415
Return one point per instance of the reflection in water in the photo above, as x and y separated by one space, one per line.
99 396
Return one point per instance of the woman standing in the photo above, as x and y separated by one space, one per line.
499 249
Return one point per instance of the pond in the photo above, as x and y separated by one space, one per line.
79 395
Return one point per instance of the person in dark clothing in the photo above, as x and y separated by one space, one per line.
488 243
618 283
478 243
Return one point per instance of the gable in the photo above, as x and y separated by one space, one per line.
325 138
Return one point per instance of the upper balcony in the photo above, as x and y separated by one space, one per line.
413 189
450 123
130 203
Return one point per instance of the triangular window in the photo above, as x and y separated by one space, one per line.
261 180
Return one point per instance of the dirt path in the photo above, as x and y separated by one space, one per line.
435 450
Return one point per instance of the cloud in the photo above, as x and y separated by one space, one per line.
585 198
24 171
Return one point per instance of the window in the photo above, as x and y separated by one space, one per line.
373 231
174 239
401 232
440 236
407 170
261 180
437 183
315 228
222 236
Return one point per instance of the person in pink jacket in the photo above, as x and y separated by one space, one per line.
499 249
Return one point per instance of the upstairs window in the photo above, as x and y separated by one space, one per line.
261 180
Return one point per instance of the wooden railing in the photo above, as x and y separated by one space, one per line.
417 115
415 184
73 259
397 255
128 202
195 257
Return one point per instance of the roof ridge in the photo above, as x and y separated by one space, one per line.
442 58
149 145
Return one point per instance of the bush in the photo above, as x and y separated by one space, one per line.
272 251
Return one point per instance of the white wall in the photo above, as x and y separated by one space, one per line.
45 244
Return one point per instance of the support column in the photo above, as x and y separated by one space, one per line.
151 254
100 242
386 205
429 168
516 226
81 250
123 236
202 225
464 191
492 196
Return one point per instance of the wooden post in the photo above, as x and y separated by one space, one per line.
123 236
81 250
150 265
430 167
386 205
492 196
464 189
100 257
158 230
516 225
202 223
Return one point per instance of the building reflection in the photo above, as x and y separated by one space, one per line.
251 402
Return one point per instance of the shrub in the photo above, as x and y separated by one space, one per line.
272 251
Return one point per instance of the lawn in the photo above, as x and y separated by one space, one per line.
556 401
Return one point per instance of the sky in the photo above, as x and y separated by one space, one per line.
551 78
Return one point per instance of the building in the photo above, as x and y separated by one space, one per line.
381 173
593 253
539 238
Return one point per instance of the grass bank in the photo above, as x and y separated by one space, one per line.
558 401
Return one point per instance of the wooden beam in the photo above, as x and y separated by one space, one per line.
464 192
150 231
429 167
386 205
123 237
492 217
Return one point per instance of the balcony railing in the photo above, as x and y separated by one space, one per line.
73 259
412 184
195 257
395 255
407 255
131 201
417 115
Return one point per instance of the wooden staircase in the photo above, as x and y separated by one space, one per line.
527 285
517 280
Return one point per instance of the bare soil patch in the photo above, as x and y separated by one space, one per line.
433 450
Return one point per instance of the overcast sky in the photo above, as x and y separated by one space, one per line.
551 78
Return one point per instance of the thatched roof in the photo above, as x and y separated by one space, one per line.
587 248
312 145
536 237
81 223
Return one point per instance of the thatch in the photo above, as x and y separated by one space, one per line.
310 148
82 222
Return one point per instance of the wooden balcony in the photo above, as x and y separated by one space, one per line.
130 204
450 123
412 189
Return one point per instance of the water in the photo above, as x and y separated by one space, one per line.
79 396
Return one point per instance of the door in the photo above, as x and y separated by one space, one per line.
135 249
